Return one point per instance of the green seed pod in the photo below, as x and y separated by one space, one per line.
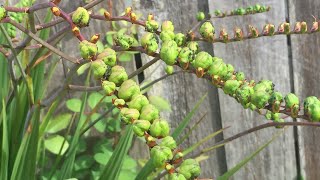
128 89
152 47
240 76
231 86
129 115
314 112
249 10
123 44
146 38
119 102
168 142
167 35
252 107
190 169
194 47
203 60
229 74
140 126
159 128
218 68
138 101
218 13
109 56
169 69
169 52
275 100
291 100
241 11
152 25
149 112
200 16
3 13
167 26
264 85
118 75
180 39
243 95
257 8
207 31
308 102
176 176
160 155
87 49
108 87
279 121
185 55
99 68
260 99
81 17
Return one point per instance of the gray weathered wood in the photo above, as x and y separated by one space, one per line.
184 90
305 60
263 58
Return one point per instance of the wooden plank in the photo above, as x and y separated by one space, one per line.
184 90
263 58
305 60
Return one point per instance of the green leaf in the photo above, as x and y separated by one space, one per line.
233 170
58 123
100 47
94 98
125 57
100 125
129 163
74 104
183 124
109 39
113 167
83 162
103 158
160 103
210 136
53 144
82 69
126 174
5 144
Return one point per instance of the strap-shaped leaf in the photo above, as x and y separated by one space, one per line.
5 145
233 170
187 119
113 167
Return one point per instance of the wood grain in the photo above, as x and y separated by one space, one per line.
263 58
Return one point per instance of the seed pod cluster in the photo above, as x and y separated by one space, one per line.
135 109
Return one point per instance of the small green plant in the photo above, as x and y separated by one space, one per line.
119 108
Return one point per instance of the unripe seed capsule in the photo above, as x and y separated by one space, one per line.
176 176
160 155
81 17
160 128
190 169
140 127
128 89
138 101
87 49
168 142
99 68
129 115
169 69
149 112
108 87
118 75
167 26
169 52
200 16
207 31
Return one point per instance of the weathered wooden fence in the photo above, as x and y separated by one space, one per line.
291 62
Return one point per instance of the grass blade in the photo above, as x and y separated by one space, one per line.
232 171
113 167
187 119
210 136
5 145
